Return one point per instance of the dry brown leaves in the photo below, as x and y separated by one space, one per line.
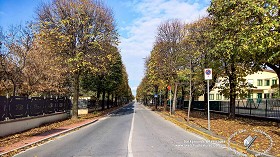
9 140
221 125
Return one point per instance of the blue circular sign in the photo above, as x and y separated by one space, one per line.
208 72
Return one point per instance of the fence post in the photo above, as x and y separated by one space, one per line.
265 107
7 107
28 105
238 106
251 107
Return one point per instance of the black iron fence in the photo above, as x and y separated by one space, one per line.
268 108
19 107
92 104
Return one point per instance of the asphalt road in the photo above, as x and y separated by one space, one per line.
132 131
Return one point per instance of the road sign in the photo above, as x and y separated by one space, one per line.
208 74
169 87
156 95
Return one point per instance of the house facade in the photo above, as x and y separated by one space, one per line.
260 83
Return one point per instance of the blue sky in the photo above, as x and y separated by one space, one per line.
136 20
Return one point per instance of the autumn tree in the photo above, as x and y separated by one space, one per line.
228 37
197 46
73 31
123 92
105 81
144 90
43 75
259 31
154 70
16 44
169 36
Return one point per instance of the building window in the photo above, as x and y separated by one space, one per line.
259 95
250 95
274 82
218 97
250 82
211 96
266 95
267 82
260 83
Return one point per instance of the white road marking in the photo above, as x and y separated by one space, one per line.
129 147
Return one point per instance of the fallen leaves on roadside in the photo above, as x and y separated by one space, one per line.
11 139
225 127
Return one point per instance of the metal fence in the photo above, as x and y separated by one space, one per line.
19 107
268 108
92 104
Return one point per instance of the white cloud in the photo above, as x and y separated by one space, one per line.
142 31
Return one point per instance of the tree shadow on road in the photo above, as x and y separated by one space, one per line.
129 109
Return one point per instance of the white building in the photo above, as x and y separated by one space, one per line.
261 82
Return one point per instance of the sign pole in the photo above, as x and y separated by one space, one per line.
208 105
170 104
208 76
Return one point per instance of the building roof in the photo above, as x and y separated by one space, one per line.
268 70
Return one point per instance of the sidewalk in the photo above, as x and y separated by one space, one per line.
36 140
44 137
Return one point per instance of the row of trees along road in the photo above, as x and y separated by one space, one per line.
71 46
237 38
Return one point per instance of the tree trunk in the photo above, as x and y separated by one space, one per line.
183 98
278 74
277 71
112 99
98 98
14 87
145 100
120 101
108 100
232 84
174 98
113 96
165 100
103 100
75 96
116 100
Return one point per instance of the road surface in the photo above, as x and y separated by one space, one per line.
132 131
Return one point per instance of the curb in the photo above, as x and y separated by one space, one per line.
47 138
